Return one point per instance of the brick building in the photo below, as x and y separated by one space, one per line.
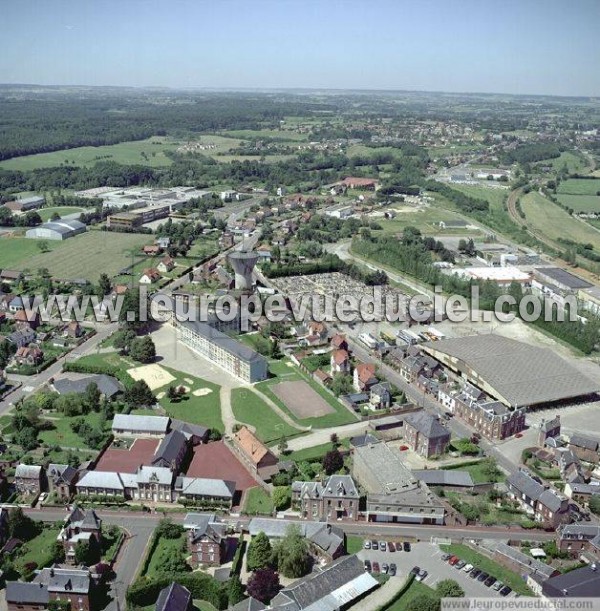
336 499
425 435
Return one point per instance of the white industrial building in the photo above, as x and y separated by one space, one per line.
56 230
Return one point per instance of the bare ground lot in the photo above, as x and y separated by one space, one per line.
302 400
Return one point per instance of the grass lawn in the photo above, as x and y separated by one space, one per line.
502 574
477 472
109 544
416 588
150 152
341 415
110 359
554 222
580 203
425 219
315 453
248 407
354 544
77 257
258 502
164 549
63 436
579 186
38 550
203 605
46 213
204 410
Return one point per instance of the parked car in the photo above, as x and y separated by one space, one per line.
385 567
367 544
406 546
398 546
422 574
482 577
415 570
393 569
391 546
446 557
368 565
374 545
460 564
468 568
489 581
375 567
453 560
498 586
475 573
505 591
382 546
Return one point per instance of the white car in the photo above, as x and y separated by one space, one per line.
382 546
367 544
43 496
468 568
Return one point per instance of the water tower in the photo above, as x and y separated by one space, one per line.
243 263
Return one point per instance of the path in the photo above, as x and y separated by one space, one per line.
227 415
320 436
382 596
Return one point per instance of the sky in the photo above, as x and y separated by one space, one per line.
499 46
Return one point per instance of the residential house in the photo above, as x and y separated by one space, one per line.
317 329
542 503
580 539
28 355
414 366
171 452
548 429
16 304
337 586
62 480
194 433
424 434
356 182
27 319
336 499
258 456
22 337
340 362
207 539
29 479
150 276
166 265
174 597
80 525
152 250
380 396
585 448
73 330
582 493
339 342
10 276
216 492
364 377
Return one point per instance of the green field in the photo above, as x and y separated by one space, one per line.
46 213
204 410
314 454
502 574
579 186
494 196
63 436
249 408
258 502
554 222
265 133
580 203
425 219
150 152
83 256
574 162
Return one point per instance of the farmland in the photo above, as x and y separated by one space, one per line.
580 194
579 186
76 257
580 203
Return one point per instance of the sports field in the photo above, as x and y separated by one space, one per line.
83 256
302 400
46 213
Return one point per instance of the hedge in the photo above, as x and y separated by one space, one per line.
238 558
399 593
144 591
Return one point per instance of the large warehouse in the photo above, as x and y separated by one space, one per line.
514 373
56 230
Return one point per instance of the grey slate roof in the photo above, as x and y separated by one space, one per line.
201 486
130 422
26 593
551 500
107 385
84 518
578 531
441 477
174 598
68 580
170 448
61 473
249 604
524 483
363 440
101 479
189 429
583 582
427 425
581 441
519 373
160 475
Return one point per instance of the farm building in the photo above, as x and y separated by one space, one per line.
26 203
56 230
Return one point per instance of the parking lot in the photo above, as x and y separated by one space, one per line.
427 556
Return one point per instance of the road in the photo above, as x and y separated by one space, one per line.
31 383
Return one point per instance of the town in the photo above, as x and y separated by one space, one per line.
288 459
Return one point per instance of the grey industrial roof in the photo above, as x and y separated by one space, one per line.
224 341
440 477
205 487
24 593
174 598
386 467
583 582
107 385
129 422
101 479
170 447
519 373
564 277
427 425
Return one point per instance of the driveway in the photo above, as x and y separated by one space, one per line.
428 556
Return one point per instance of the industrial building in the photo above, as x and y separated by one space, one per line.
141 216
514 373
56 230
226 352
26 203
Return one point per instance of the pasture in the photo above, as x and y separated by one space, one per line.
579 186
580 203
83 256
